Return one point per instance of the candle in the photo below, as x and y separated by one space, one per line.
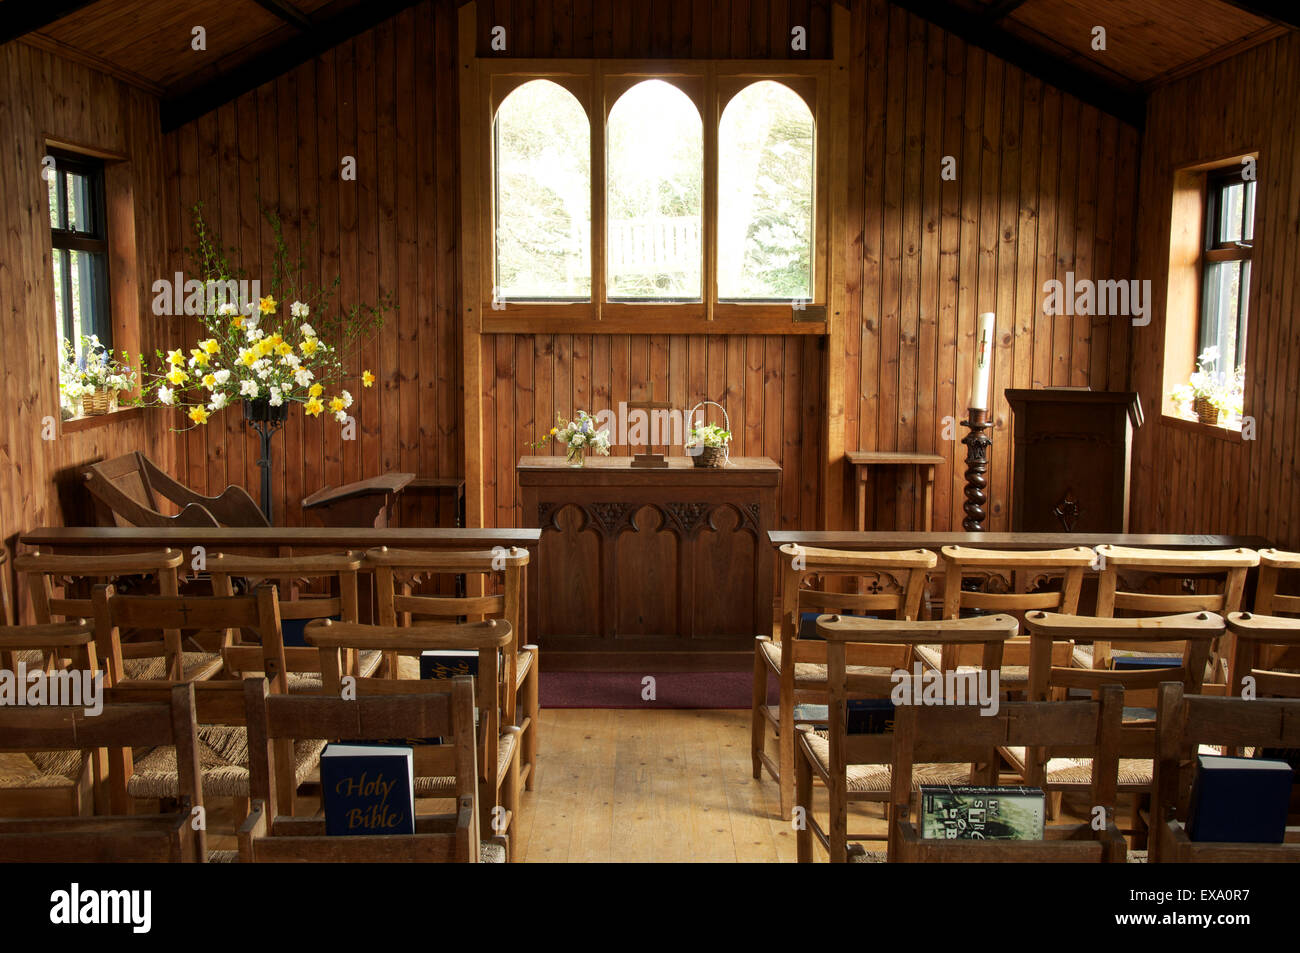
979 392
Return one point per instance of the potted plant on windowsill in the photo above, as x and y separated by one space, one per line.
1209 396
90 383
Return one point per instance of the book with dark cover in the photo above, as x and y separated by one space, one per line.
293 631
865 716
1136 662
448 663
1239 800
367 789
808 624
964 812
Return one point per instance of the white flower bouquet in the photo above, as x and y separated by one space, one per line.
94 378
580 436
1209 394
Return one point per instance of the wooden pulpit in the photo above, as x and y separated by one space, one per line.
364 503
1071 459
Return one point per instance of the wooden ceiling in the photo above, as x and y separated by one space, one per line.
148 42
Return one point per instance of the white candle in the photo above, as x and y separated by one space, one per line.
979 392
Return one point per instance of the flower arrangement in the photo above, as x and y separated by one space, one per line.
95 378
265 350
1209 394
708 435
579 436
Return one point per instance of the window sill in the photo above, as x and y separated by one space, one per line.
80 424
1202 430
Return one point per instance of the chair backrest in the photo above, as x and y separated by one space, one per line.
393 572
489 638
120 725
1184 723
73 640
1268 601
840 632
1261 644
259 612
336 573
447 714
965 733
1226 569
1013 579
50 578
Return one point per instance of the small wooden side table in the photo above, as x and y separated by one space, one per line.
863 460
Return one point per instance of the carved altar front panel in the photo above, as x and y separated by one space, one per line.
646 561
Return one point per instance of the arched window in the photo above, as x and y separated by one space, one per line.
654 195
542 143
765 195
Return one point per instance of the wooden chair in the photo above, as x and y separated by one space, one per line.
1273 563
126 491
799 665
51 578
393 569
1257 639
856 768
61 782
121 725
1191 633
1226 568
1184 724
498 741
223 738
1011 585
336 574
962 733
268 836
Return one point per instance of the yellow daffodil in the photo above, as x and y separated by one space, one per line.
248 358
210 345
275 339
176 377
266 305
237 321
313 407
367 379
200 358
209 381
308 347
265 347
199 415
315 390
284 349
175 357
336 405
554 431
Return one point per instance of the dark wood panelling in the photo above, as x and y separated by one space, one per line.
1188 478
44 96
386 98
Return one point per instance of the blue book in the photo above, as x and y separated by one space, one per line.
808 624
1135 662
1239 800
367 789
292 631
448 663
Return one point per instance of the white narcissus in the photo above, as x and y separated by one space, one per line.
276 397
165 395
248 389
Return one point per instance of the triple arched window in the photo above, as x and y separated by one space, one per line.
648 200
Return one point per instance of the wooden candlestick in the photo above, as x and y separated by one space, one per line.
977 465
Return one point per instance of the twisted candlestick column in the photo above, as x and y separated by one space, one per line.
977 465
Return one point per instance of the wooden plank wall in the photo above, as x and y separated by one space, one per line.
1191 482
387 98
1045 185
43 95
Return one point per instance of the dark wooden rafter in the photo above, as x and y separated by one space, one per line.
20 18
1125 102
231 84
1286 12
286 12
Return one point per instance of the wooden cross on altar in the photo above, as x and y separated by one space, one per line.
650 460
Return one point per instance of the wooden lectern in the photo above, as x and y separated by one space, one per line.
1071 459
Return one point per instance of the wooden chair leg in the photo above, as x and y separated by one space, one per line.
1139 825
758 729
1053 805
785 749
532 709
838 829
803 837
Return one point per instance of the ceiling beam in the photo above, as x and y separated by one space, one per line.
1125 102
1279 11
19 19
286 12
243 77
1002 8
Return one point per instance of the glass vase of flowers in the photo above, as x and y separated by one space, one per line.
580 436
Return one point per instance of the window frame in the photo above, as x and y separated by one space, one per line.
1215 251
95 242
597 85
